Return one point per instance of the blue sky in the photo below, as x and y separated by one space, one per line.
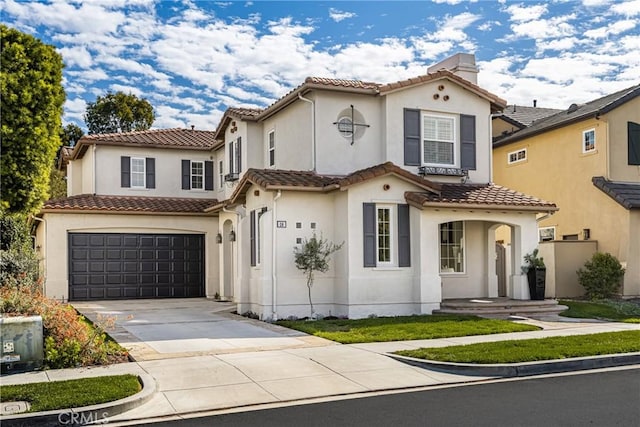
193 59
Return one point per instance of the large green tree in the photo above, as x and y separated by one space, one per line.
32 97
118 112
70 134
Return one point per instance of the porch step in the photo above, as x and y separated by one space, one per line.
501 307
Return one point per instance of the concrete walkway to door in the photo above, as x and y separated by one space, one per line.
171 328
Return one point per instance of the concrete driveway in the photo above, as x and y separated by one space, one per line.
170 328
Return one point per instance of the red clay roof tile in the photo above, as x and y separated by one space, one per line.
90 202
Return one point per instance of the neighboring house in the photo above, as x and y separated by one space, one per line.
587 160
517 117
399 172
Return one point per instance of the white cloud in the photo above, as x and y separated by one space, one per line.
451 2
558 26
628 8
338 15
562 44
128 89
76 56
521 13
488 25
611 29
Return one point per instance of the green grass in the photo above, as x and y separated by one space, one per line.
533 349
401 328
72 393
620 311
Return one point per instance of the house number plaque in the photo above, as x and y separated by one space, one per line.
281 224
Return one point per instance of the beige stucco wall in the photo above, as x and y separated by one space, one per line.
52 239
461 101
556 170
500 127
563 259
619 168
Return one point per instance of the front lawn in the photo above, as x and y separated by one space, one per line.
53 395
402 328
621 311
533 349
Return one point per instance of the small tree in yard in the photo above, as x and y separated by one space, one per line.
314 256
601 276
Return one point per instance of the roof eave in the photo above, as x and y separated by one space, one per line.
119 212
492 207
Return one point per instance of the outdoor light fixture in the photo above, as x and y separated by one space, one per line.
232 236
219 238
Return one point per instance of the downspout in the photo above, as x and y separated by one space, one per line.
274 280
44 259
313 129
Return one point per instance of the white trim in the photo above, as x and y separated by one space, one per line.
462 249
454 139
191 175
584 134
518 160
392 236
271 148
144 172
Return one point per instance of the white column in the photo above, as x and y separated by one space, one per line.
492 276
430 281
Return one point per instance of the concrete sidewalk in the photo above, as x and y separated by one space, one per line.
198 383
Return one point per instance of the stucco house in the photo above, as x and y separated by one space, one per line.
399 172
586 159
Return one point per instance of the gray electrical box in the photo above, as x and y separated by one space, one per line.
22 344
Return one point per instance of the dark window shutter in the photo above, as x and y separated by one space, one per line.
467 142
231 170
208 175
125 171
412 137
252 237
186 174
239 154
633 135
404 236
369 233
150 172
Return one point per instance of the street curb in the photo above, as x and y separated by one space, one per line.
523 369
94 414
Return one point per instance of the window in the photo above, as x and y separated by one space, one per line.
386 235
272 148
588 140
517 156
546 234
383 234
438 140
221 173
197 175
452 247
137 172
633 143
234 156
254 235
345 127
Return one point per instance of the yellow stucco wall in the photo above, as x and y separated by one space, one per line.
557 170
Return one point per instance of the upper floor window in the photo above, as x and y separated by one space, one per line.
235 156
221 173
197 175
588 140
633 143
438 139
272 148
137 172
452 247
517 156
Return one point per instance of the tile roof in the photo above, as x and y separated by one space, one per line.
478 196
574 113
355 84
159 138
128 204
387 168
625 193
527 115
244 113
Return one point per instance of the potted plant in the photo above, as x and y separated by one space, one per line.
536 273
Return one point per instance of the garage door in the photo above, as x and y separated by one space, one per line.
124 266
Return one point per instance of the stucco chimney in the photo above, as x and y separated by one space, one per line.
460 64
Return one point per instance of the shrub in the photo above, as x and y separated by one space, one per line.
18 260
601 276
69 340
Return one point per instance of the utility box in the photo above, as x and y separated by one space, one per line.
22 344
